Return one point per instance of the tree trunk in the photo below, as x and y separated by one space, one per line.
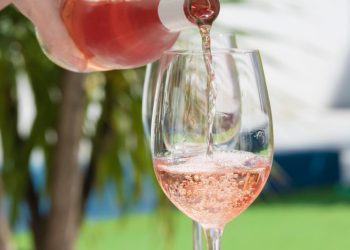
63 219
5 241
5 235
37 221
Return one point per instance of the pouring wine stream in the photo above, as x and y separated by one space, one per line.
203 13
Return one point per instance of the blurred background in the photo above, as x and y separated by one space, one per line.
60 129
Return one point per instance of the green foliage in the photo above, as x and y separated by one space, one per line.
115 135
124 145
20 55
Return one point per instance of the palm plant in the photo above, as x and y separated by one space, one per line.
62 124
100 111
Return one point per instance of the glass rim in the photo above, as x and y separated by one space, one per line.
172 52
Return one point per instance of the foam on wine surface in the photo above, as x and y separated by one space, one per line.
213 190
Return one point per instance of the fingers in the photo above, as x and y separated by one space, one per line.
4 3
52 34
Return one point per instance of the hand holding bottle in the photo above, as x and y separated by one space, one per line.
4 3
85 35
52 34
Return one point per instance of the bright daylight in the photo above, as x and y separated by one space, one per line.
174 124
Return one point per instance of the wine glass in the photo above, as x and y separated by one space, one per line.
187 40
211 189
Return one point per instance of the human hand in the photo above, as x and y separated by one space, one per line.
4 3
52 34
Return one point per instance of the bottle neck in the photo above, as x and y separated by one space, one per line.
172 15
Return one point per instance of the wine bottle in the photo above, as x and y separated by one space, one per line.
96 35
123 34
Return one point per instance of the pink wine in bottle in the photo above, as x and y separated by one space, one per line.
116 34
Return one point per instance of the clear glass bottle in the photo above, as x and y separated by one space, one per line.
96 35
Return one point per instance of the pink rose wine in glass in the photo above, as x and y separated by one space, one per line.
213 190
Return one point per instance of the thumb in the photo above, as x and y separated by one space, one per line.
4 3
52 34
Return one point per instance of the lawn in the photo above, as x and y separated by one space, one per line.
317 220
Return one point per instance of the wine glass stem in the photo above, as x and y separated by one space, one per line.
213 236
197 236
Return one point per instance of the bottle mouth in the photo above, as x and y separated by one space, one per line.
202 12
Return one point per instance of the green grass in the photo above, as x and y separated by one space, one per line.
317 220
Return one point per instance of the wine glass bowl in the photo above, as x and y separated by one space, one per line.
212 189
185 126
187 41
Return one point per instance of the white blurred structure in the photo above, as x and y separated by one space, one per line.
305 47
